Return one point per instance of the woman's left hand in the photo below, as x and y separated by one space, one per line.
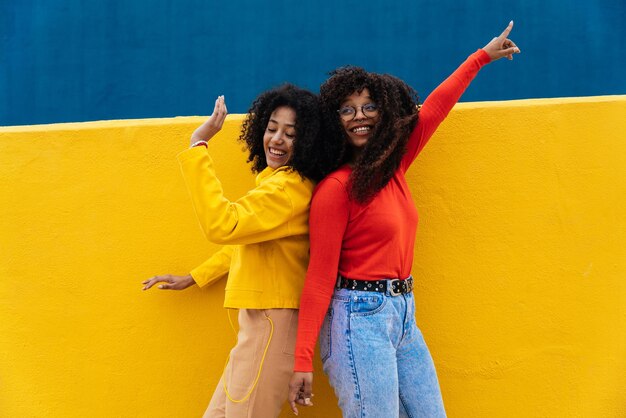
300 388
212 125
502 46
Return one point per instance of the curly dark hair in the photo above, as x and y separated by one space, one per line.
383 152
306 154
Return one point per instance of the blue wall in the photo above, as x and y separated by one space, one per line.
69 60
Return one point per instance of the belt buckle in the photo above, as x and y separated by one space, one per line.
392 291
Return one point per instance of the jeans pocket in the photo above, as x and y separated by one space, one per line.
366 303
325 336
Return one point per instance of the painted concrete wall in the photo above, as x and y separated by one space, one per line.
520 264
70 61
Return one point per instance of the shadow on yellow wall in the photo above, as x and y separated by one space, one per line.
520 264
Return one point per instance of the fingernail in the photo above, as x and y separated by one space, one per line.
160 286
511 22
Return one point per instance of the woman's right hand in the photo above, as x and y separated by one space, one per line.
169 282
501 46
212 125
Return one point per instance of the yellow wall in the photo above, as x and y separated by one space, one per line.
520 264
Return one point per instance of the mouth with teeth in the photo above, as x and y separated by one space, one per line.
276 152
361 130
277 157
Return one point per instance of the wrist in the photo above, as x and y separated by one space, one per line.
200 143
189 280
204 132
484 57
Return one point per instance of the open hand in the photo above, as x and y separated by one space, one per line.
213 125
169 282
502 46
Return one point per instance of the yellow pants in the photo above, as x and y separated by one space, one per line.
269 394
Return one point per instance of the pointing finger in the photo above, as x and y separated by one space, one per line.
506 32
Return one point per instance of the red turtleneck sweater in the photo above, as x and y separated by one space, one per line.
372 241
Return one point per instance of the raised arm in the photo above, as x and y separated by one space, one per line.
262 214
212 125
439 103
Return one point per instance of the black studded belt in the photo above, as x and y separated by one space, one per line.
394 287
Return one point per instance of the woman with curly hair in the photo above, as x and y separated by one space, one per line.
363 222
266 243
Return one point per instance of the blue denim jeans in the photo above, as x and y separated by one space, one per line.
376 358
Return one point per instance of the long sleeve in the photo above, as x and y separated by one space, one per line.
263 214
328 221
214 268
439 103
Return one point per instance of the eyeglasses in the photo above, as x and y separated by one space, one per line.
347 113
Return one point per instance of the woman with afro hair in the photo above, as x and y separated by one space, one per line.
363 222
266 243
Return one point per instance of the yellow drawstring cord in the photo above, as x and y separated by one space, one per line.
256 379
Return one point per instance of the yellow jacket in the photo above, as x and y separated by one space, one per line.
266 233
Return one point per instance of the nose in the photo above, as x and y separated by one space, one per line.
359 115
277 137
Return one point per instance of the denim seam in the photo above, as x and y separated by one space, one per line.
408 414
353 367
329 334
406 314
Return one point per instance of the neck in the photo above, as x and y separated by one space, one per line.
354 155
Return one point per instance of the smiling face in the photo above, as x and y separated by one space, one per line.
279 136
362 125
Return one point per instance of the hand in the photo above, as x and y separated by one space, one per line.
300 388
213 125
169 282
502 46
